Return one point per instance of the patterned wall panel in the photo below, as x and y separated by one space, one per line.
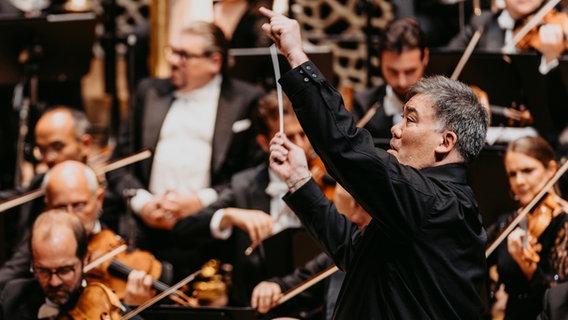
342 25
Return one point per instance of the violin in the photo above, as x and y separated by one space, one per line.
536 202
321 177
532 38
97 301
523 117
527 35
537 221
114 272
106 241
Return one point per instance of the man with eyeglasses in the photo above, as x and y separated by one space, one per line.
59 247
198 124
72 186
61 133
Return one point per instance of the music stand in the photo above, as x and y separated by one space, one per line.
254 65
60 47
509 80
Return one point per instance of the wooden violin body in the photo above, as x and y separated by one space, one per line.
321 177
532 38
106 241
537 221
96 302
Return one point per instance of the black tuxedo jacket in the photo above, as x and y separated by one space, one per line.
234 148
380 124
555 303
21 300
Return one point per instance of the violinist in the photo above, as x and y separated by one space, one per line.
61 133
404 56
500 27
73 186
534 256
252 203
59 246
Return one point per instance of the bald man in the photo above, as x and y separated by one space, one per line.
59 246
61 133
73 187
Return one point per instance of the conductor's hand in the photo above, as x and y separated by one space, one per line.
286 35
289 162
265 295
256 223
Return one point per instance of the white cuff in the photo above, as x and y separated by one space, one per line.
207 196
544 67
214 226
139 200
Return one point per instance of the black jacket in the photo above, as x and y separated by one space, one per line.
423 254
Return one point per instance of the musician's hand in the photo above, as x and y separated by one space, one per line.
180 205
265 295
155 216
138 288
519 253
256 223
289 162
286 35
551 41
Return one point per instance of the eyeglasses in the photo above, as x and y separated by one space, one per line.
64 273
73 207
182 54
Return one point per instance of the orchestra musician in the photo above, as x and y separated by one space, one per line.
61 133
197 122
59 246
72 186
404 56
499 28
530 261
422 255
252 203
266 294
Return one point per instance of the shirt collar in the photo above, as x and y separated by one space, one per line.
505 21
392 103
203 92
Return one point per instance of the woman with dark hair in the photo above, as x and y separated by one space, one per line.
534 257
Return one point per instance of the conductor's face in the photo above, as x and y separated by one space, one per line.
192 63
401 71
415 138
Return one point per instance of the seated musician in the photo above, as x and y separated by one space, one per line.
252 203
61 133
73 186
549 42
266 294
59 247
532 257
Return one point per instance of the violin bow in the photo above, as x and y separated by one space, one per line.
533 21
97 262
160 296
525 210
306 284
467 53
128 160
